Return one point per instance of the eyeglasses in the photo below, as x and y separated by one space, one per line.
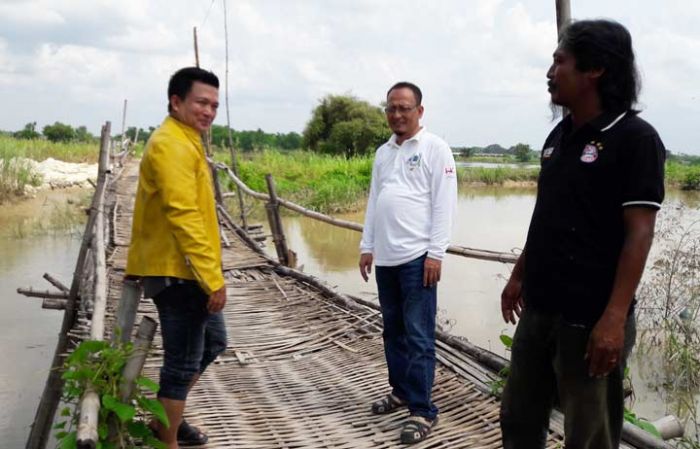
403 110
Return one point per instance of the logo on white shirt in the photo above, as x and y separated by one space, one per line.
450 171
414 161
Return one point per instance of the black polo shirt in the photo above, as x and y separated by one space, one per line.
588 176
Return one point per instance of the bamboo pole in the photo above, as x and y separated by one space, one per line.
53 304
87 435
41 427
563 14
121 143
196 47
31 293
273 215
232 150
132 369
56 283
452 249
126 310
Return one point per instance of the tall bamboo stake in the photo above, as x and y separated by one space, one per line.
234 161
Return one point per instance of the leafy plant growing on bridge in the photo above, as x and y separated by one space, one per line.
97 365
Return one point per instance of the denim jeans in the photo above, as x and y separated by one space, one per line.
408 312
192 338
547 361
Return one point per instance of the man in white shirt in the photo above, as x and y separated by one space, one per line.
412 201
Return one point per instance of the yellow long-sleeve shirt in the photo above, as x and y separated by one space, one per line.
175 230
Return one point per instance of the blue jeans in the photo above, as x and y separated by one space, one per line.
547 361
408 311
192 338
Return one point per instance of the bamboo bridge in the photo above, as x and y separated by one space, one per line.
303 362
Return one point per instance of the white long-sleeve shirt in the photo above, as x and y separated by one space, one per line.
412 200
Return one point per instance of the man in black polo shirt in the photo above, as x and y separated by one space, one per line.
573 286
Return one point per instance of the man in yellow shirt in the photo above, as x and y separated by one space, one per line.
175 246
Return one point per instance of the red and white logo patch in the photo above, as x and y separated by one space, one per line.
590 153
449 171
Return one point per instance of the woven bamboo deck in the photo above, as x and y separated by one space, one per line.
301 369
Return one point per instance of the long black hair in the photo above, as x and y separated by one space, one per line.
605 44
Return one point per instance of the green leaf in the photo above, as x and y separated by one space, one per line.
61 425
148 384
61 435
139 430
69 441
154 443
648 427
506 340
65 411
102 430
154 406
124 412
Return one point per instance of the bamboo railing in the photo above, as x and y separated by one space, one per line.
473 253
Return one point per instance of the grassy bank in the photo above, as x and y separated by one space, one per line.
324 183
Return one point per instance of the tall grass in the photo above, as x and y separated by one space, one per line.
497 175
16 173
41 149
324 183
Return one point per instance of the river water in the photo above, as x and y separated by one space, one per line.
488 218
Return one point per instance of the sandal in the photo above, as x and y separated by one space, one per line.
189 435
387 404
416 429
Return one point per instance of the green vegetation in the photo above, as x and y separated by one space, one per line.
324 183
15 174
98 366
40 149
343 124
669 313
497 176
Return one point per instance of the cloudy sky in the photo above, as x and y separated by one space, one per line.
480 63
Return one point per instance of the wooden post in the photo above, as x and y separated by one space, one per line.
126 310
273 215
87 435
41 428
133 367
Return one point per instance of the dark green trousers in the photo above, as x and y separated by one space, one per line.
547 361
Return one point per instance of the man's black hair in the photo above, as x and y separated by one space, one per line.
405 84
182 80
605 44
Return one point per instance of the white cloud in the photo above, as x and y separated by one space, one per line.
481 64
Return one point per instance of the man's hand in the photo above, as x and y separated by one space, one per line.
366 265
217 300
605 344
512 303
431 272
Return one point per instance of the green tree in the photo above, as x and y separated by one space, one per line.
343 124
59 132
29 132
83 135
522 152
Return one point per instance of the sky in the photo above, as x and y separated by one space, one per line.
480 63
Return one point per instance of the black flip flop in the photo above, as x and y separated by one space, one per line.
188 435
